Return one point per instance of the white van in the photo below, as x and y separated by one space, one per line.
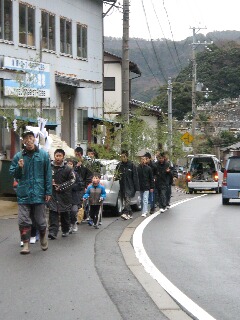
204 173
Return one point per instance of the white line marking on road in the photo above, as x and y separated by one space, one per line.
143 258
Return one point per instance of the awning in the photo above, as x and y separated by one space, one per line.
48 125
73 81
102 120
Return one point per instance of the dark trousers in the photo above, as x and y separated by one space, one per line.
162 196
169 193
73 213
126 201
54 222
95 213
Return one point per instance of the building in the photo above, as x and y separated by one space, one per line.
51 65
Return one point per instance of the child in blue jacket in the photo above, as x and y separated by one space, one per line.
95 193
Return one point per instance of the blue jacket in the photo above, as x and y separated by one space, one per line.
34 179
94 193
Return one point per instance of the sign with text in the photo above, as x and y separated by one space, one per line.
36 82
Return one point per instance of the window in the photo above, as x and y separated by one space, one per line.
30 113
82 125
65 36
6 20
49 114
26 24
81 41
109 84
48 31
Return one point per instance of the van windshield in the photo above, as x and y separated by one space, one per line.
202 168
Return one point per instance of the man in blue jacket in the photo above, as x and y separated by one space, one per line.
31 168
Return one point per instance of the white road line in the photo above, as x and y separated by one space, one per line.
143 258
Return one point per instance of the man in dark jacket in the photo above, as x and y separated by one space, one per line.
63 179
126 173
146 183
152 194
162 178
31 168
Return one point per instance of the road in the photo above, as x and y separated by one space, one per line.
196 246
81 277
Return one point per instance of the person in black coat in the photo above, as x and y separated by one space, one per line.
146 183
126 173
152 194
162 177
77 194
63 179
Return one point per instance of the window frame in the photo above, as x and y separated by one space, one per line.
24 30
106 86
64 36
3 4
82 125
82 41
50 23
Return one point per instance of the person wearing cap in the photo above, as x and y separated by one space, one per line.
32 169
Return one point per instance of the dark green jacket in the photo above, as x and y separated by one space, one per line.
34 179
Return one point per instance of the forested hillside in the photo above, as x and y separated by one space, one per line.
160 59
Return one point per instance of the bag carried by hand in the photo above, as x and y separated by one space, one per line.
80 214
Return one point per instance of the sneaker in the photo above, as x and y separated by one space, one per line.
124 216
130 216
162 210
65 234
152 211
21 243
144 215
33 240
52 236
96 226
100 223
70 230
75 228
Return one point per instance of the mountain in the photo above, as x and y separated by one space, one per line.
163 58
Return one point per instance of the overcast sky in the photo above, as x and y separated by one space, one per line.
172 19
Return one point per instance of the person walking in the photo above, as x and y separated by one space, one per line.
31 168
77 193
96 194
173 173
146 183
152 194
126 173
162 178
63 179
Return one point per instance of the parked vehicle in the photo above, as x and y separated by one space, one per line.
204 173
231 180
113 199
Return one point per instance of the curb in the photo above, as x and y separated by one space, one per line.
161 298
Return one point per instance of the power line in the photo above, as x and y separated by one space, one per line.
154 50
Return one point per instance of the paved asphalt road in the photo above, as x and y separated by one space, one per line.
82 277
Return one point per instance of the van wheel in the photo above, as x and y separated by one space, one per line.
190 191
137 206
217 190
225 201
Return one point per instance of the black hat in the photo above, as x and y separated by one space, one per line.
27 132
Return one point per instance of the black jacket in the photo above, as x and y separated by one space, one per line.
126 173
85 174
145 177
64 177
162 177
77 190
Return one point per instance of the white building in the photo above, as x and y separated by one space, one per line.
58 46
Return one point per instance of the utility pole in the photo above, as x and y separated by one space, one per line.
169 92
125 62
194 77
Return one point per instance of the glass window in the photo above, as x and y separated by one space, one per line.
48 31
49 114
109 84
6 20
81 41
65 36
26 24
82 125
30 113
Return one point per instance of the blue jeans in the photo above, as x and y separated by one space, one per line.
144 200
